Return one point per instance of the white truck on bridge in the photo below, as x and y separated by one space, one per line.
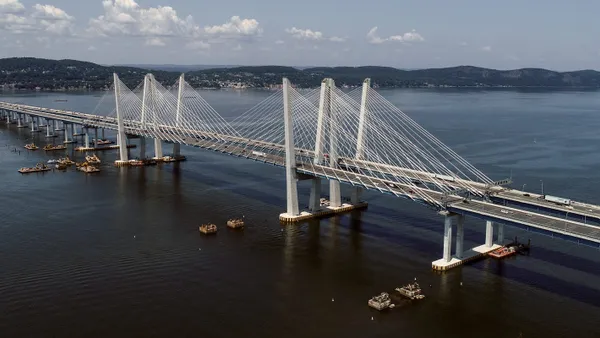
259 153
557 200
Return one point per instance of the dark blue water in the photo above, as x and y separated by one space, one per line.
119 253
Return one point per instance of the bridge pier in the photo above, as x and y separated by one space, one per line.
460 236
158 153
460 257
176 149
49 130
314 203
500 233
142 147
86 138
489 233
33 124
95 137
121 137
66 132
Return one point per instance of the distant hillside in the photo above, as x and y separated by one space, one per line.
177 68
31 73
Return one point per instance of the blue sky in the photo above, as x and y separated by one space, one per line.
561 35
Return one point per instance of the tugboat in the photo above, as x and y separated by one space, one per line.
208 229
40 167
53 161
380 302
92 159
60 166
235 223
503 252
168 159
411 291
31 146
51 147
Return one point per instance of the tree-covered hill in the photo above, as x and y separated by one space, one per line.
32 73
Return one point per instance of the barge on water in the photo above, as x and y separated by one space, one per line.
52 147
208 229
93 159
40 167
411 291
235 223
381 302
31 146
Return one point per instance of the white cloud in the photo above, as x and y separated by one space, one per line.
279 42
237 48
486 48
236 28
197 44
155 42
310 35
464 44
411 36
126 17
11 6
43 18
92 48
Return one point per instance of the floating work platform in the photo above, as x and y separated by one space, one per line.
503 252
69 142
468 256
235 223
113 147
326 211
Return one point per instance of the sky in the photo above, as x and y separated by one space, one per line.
553 34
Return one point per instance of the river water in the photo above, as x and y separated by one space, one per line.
119 253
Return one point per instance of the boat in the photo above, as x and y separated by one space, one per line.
60 100
88 169
31 146
51 147
235 223
208 229
411 291
66 161
149 161
102 142
380 302
93 159
40 167
168 159
136 163
503 252
53 161
60 166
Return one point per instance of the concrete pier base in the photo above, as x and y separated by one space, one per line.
467 256
323 212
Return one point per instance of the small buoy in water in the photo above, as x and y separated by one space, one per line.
332 300
415 278
371 318
133 236
460 283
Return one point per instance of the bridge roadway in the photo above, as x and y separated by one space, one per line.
584 211
568 229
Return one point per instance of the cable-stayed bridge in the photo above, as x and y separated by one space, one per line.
356 138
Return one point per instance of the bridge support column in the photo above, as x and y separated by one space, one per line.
291 181
121 137
33 125
158 153
86 138
48 129
447 256
66 132
7 118
500 233
489 233
176 149
142 147
103 133
19 121
460 236
356 193
315 195
95 137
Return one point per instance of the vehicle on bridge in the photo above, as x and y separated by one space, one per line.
557 200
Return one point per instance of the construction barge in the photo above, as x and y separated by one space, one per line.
235 223
510 249
52 147
381 302
411 291
208 229
40 167
31 146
